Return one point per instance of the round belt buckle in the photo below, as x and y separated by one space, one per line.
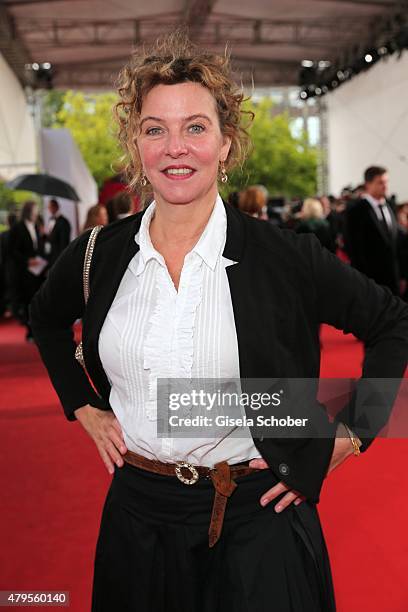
191 468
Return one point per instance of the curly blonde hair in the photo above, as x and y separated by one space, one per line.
175 59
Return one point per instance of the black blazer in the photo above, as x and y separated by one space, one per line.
20 245
59 238
283 286
372 249
20 249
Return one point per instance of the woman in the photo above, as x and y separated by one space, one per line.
120 206
253 201
97 215
25 251
191 288
311 220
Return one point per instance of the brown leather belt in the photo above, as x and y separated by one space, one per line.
221 475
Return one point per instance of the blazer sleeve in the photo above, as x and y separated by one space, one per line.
350 301
53 311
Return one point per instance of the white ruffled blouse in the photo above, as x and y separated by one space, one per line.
154 331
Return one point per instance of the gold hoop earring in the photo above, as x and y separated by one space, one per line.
143 181
224 175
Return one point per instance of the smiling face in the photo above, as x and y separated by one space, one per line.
180 142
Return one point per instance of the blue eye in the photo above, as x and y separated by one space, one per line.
153 131
196 129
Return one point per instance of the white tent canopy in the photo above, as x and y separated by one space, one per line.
17 134
61 157
86 41
368 125
51 151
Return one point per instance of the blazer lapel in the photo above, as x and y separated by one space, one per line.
28 238
394 225
263 356
384 233
234 250
107 269
254 349
260 305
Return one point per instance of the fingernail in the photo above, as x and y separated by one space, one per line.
119 463
297 502
278 508
123 449
264 501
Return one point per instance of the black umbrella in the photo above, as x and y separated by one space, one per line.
45 185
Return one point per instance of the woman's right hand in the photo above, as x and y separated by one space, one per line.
104 429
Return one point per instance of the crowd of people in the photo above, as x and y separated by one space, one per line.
29 248
362 226
28 251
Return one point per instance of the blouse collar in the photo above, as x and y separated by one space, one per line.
208 247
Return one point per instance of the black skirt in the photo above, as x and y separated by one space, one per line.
152 553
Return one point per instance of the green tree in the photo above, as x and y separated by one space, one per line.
51 104
11 201
284 163
89 119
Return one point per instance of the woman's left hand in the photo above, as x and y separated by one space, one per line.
342 449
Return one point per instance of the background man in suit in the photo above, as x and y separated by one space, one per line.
25 250
5 265
59 232
372 232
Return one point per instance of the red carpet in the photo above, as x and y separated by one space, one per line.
53 486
